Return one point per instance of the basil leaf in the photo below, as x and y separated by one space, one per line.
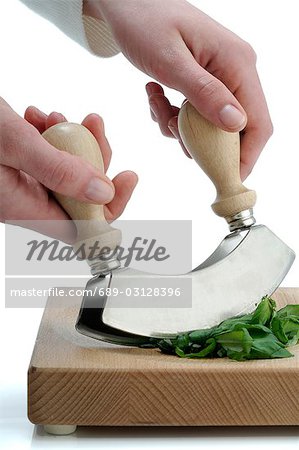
262 334
207 351
238 341
264 311
166 346
179 352
268 347
182 341
228 323
286 329
263 345
289 310
200 336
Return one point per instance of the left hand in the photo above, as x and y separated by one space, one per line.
35 202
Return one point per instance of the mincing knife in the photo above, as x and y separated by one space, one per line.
249 263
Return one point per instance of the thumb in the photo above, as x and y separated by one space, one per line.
211 97
57 170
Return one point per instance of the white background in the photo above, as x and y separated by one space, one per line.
40 66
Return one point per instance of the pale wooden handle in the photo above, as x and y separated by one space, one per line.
92 228
218 154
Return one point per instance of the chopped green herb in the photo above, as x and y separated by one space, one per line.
263 334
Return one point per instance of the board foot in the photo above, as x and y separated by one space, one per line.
60 429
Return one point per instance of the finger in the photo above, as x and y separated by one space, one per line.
154 88
163 112
251 147
36 117
173 126
175 111
259 126
59 171
124 183
54 118
207 94
154 118
40 120
26 203
95 125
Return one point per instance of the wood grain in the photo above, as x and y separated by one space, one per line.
217 152
73 379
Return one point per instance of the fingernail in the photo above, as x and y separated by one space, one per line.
101 121
57 116
154 108
148 89
99 191
40 112
231 117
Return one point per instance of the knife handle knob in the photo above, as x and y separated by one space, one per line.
217 152
92 229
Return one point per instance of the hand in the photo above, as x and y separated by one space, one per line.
30 166
183 48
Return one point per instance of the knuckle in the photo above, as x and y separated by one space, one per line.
9 179
249 52
269 129
207 86
59 175
242 50
167 64
265 130
15 140
9 142
165 131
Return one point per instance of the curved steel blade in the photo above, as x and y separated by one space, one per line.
243 269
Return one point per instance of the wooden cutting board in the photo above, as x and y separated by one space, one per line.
75 380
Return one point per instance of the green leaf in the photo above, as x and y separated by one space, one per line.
182 341
286 329
289 310
207 351
268 347
228 324
238 341
221 353
262 334
255 330
264 312
180 352
277 329
166 346
264 345
200 336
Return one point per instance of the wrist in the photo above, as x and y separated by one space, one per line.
98 29
92 8
101 9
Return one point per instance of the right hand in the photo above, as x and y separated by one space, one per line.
30 167
179 46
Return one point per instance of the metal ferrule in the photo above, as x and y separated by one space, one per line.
103 266
244 219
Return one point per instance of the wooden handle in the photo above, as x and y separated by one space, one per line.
92 228
218 154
